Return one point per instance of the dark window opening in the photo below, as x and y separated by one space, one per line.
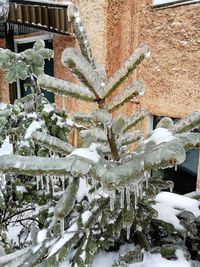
185 176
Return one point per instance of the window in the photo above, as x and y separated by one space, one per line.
160 3
186 174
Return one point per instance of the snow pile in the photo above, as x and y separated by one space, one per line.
3 105
6 148
48 108
160 135
169 205
83 190
156 260
35 125
150 260
88 153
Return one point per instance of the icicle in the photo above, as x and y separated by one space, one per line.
128 200
42 182
47 184
175 167
128 231
122 199
171 188
53 184
112 200
136 201
37 182
62 178
62 223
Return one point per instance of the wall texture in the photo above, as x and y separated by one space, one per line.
4 90
172 75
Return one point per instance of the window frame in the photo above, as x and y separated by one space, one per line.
174 3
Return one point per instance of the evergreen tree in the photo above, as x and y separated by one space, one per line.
86 190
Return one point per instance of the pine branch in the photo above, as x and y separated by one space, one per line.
112 144
187 124
83 119
52 143
67 201
133 90
165 123
81 35
128 67
189 140
130 138
65 88
137 117
31 165
164 155
81 68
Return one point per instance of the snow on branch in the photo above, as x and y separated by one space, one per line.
164 155
187 124
65 88
131 91
81 35
52 143
128 67
189 140
130 138
137 116
81 68
32 165
67 201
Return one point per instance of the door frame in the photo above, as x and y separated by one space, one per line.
25 40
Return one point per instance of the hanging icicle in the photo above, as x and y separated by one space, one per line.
38 182
122 199
128 232
175 167
128 198
47 184
62 178
112 195
52 184
62 222
42 182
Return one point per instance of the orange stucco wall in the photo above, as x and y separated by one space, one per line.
172 75
4 91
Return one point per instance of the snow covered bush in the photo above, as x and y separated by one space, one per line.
72 178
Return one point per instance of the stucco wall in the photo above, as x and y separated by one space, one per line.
172 75
93 14
4 90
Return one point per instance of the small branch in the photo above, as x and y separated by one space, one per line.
65 88
112 144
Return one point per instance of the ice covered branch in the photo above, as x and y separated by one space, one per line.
162 156
81 35
137 116
81 68
66 202
133 90
189 140
128 67
52 143
65 88
187 124
32 165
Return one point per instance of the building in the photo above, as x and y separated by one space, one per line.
116 27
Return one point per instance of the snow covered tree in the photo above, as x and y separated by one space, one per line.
86 189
